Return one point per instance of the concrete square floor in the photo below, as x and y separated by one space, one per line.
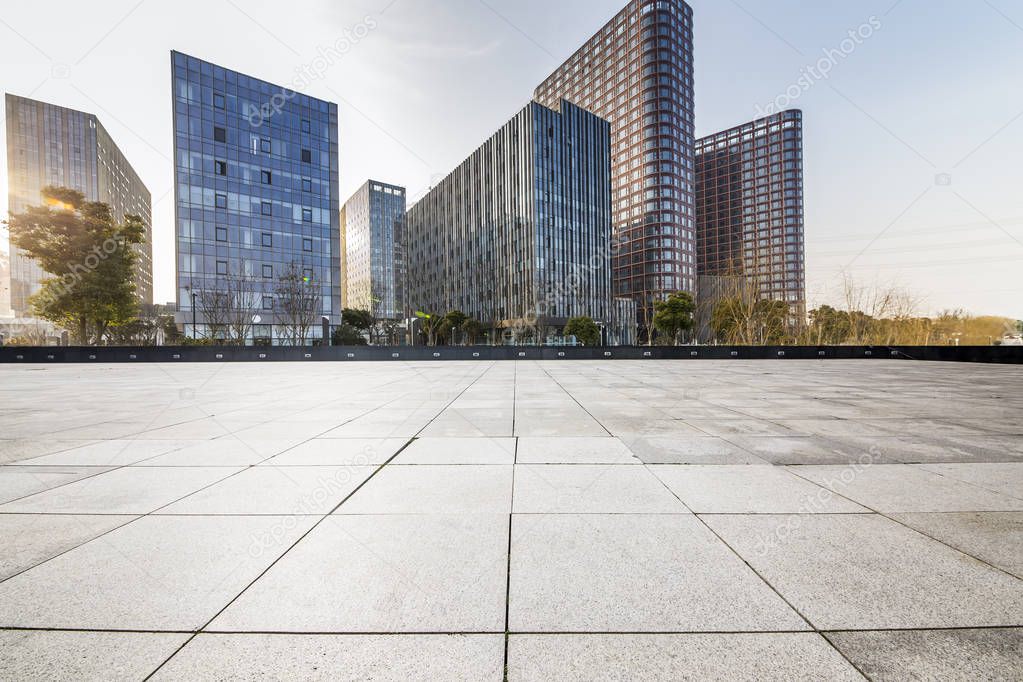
520 520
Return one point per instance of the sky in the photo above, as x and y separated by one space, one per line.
913 126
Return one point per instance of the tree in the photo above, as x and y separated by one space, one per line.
738 321
829 326
674 317
299 305
453 321
358 319
227 306
430 325
472 329
584 329
347 335
90 258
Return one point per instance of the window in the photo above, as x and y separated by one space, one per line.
221 200
307 127
307 215
307 185
221 234
268 240
307 244
268 272
265 208
221 267
264 145
307 275
268 303
220 167
218 100
219 134
265 177
307 156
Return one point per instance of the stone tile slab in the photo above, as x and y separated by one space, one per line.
157 573
420 573
591 489
667 658
275 490
30 539
952 655
863 571
579 450
906 488
128 490
634 573
994 537
36 655
737 489
429 489
482 450
339 657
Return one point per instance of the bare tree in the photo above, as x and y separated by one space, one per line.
214 306
299 305
244 303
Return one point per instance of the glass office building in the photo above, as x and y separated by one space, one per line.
518 236
373 245
52 145
637 72
750 207
256 194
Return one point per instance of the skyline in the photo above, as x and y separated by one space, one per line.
873 191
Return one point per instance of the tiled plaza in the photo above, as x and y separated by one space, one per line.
525 521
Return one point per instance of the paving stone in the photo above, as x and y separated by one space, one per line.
753 657
393 573
688 449
339 657
905 488
38 655
579 450
582 489
429 489
737 489
17 481
990 654
634 573
128 490
482 450
994 537
862 571
275 490
30 539
156 573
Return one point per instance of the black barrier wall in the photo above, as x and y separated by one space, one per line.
48 355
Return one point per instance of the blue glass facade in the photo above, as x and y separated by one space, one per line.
256 192
518 236
373 239
53 145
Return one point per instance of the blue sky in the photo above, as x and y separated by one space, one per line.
912 142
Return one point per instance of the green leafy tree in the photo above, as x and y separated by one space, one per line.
453 321
347 335
584 329
674 317
473 330
360 319
89 257
829 326
431 326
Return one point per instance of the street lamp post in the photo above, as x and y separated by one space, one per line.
193 294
